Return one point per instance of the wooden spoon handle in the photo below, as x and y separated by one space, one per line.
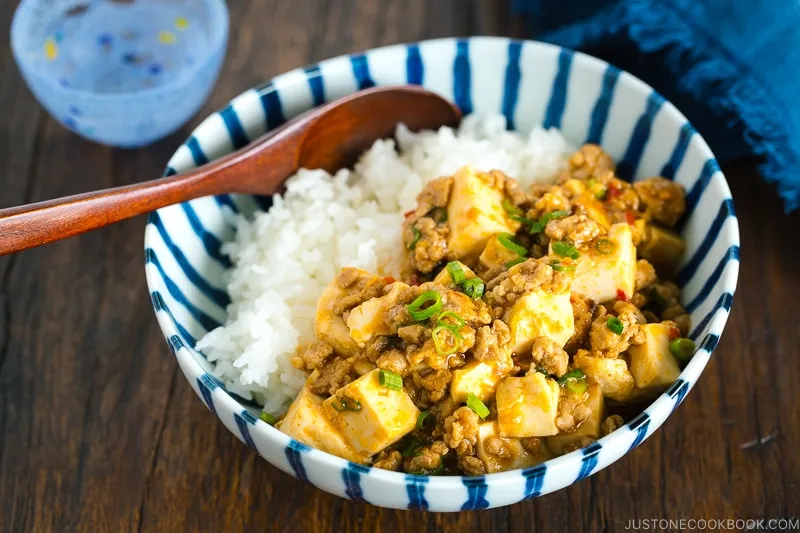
259 167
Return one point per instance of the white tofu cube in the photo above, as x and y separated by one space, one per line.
520 456
613 376
590 427
527 406
540 313
476 377
368 320
384 417
606 266
652 364
475 213
495 254
443 277
305 421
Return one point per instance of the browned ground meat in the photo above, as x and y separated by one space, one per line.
493 345
359 289
388 460
376 346
535 445
474 312
582 443
397 300
582 313
645 275
508 287
311 356
605 343
513 191
666 296
552 199
434 385
393 360
462 425
413 334
430 247
471 465
628 309
590 161
572 410
429 458
610 424
435 194
663 199
577 229
334 374
547 355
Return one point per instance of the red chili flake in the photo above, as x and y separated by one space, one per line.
621 295
389 280
674 333
613 191
408 213
630 218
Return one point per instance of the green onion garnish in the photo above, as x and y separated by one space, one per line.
572 374
411 448
541 370
575 381
438 470
516 261
423 419
417 234
540 224
604 246
390 380
682 348
346 403
559 267
565 249
473 288
475 403
450 314
438 343
505 240
615 325
268 418
415 308
439 214
456 272
510 208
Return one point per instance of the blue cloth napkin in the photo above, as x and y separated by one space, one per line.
733 67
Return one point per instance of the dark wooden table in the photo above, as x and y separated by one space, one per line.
100 432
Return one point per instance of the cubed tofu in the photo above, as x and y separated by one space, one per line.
662 247
520 456
590 427
305 421
606 266
369 319
527 406
475 213
652 364
540 313
476 377
330 327
385 415
495 254
613 376
443 277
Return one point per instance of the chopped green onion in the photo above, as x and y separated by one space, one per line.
390 380
516 261
682 348
473 288
268 418
456 272
438 470
510 208
439 214
415 308
615 325
438 343
450 314
565 249
522 219
423 419
604 246
559 267
540 224
599 193
411 448
541 370
505 240
572 374
577 386
475 403
417 234
346 403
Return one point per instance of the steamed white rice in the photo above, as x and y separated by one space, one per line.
283 259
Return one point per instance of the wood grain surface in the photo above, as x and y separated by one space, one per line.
100 432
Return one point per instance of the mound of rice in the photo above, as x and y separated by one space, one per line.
283 259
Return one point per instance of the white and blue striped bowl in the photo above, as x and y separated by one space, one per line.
530 83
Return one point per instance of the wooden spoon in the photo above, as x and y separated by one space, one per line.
329 137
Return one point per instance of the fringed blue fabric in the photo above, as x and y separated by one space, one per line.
731 67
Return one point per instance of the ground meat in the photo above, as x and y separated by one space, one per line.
513 191
471 465
535 445
572 410
547 355
396 302
605 343
582 443
435 194
413 334
376 346
639 299
582 313
664 200
474 312
493 345
311 356
434 384
428 460
347 276
497 447
577 229
610 424
393 360
462 425
628 309
678 314
552 200
645 275
388 460
441 412
361 365
508 287
430 247
359 289
590 161
334 374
